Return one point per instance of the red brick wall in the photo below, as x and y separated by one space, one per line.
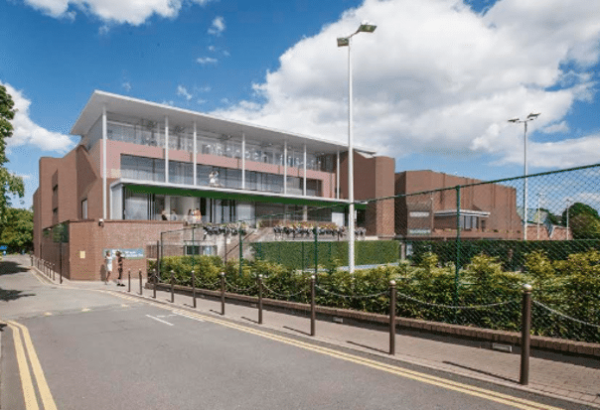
89 237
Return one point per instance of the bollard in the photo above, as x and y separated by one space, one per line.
172 287
155 282
129 280
60 275
53 272
392 317
525 334
313 310
260 305
223 293
193 289
140 275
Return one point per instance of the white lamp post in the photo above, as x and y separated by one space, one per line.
530 117
347 42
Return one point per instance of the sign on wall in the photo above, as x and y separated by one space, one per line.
136 253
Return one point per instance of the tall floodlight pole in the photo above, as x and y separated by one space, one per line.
530 117
537 221
347 42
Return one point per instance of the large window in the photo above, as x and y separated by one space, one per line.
181 173
145 169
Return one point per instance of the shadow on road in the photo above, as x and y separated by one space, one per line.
7 295
508 379
366 347
11 267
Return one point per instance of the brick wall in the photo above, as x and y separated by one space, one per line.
87 241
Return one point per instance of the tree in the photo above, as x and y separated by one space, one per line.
552 218
17 230
579 208
584 226
9 184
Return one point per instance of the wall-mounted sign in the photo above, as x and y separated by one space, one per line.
82 254
419 214
419 231
137 253
3 247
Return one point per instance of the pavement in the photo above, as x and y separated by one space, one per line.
88 310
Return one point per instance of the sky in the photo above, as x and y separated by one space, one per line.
434 85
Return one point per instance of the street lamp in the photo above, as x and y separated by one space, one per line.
530 117
346 42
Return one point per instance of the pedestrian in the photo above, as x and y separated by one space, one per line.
163 215
120 268
108 260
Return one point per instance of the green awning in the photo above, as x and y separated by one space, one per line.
146 189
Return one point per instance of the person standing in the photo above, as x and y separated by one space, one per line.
120 268
108 260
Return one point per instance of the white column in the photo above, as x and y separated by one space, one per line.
166 149
304 170
337 176
350 166
104 171
195 153
243 161
285 168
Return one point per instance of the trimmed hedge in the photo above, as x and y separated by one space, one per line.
301 254
510 253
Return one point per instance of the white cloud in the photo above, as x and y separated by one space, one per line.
438 77
26 132
212 48
217 27
204 89
556 128
126 86
183 92
201 101
134 12
206 60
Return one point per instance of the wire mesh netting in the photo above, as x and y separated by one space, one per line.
463 250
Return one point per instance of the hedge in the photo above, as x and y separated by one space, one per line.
485 295
301 254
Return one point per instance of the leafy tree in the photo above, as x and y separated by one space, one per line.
17 231
585 226
579 208
9 184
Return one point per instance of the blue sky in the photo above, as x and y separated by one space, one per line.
434 85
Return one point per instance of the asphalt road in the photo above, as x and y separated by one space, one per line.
97 350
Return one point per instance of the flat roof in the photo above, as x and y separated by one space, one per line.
147 110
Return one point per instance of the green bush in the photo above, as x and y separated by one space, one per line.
301 254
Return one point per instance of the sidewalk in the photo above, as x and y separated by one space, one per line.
573 382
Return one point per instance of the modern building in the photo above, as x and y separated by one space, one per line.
143 168
487 211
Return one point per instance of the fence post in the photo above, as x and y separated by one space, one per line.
525 334
457 265
313 310
129 280
260 304
316 249
155 282
140 275
158 257
392 317
193 288
53 272
223 293
60 273
172 286
241 250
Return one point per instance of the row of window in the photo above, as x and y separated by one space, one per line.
153 135
153 169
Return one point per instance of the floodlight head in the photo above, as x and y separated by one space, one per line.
513 120
366 27
343 42
533 116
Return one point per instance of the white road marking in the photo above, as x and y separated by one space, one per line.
160 320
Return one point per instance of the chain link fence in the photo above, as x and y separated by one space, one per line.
462 252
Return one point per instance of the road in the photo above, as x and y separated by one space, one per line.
68 348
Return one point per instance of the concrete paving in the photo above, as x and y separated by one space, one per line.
99 349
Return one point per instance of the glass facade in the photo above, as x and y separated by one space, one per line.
152 133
